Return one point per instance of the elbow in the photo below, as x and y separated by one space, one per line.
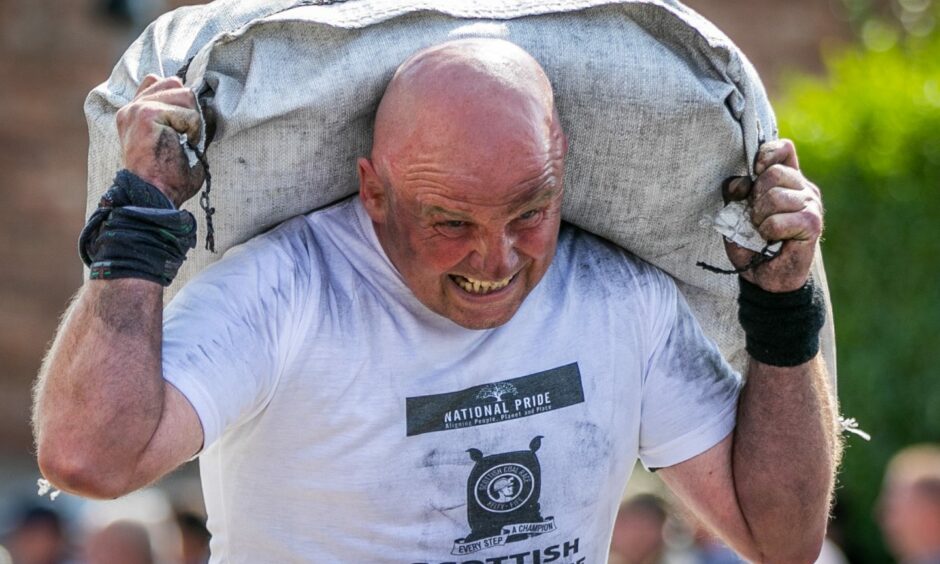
811 548
804 550
75 472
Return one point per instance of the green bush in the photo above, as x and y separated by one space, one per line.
869 136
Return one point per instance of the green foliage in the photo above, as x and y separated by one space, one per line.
869 136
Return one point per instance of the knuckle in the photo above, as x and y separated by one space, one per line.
812 220
770 178
817 193
769 228
776 173
776 196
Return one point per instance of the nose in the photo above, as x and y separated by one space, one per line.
494 255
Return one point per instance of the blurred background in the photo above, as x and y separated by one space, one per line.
856 83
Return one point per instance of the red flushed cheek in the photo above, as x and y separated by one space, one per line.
538 243
441 256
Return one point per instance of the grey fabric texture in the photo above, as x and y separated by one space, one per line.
659 107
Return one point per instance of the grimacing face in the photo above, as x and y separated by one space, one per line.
464 187
471 240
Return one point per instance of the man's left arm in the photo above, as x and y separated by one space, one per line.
766 488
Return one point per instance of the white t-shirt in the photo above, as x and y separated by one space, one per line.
346 422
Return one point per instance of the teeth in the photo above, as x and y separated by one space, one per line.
475 286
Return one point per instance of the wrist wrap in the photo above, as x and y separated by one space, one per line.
781 329
136 232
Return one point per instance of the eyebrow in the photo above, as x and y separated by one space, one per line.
545 191
438 210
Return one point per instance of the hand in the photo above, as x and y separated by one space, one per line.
148 128
786 207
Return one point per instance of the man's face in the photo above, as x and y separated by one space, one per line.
464 186
472 235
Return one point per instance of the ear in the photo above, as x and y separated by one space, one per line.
372 191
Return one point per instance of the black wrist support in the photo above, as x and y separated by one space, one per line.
136 233
781 329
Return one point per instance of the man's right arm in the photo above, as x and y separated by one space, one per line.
105 421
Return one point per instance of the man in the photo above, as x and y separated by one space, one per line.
910 505
358 380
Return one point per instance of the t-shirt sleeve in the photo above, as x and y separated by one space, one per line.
690 392
227 334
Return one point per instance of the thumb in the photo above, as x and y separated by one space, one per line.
736 188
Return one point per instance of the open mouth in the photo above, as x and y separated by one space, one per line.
480 287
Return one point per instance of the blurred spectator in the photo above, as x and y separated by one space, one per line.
38 537
909 509
638 531
121 542
709 549
195 538
148 530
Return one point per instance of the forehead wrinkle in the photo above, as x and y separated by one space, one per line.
431 173
433 209
535 190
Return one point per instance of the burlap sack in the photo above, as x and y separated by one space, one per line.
659 107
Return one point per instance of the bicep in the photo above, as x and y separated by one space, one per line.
705 485
178 437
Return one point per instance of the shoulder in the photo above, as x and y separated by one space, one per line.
589 262
268 263
296 243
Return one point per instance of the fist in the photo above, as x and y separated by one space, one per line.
785 207
149 129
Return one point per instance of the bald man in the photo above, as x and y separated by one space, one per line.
360 383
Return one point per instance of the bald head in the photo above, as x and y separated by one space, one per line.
460 98
464 187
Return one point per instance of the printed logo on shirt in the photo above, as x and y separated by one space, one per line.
503 499
498 401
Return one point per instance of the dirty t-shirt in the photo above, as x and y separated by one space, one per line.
346 422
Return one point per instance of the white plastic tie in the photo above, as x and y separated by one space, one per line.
46 487
851 426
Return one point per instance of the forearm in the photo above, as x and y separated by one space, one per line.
786 449
100 393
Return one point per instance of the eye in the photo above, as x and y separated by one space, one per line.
529 218
452 227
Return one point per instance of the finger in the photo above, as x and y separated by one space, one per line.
161 84
735 188
802 225
184 121
182 97
779 176
779 151
143 120
146 83
780 200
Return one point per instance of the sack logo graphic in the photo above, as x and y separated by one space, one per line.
504 487
503 499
